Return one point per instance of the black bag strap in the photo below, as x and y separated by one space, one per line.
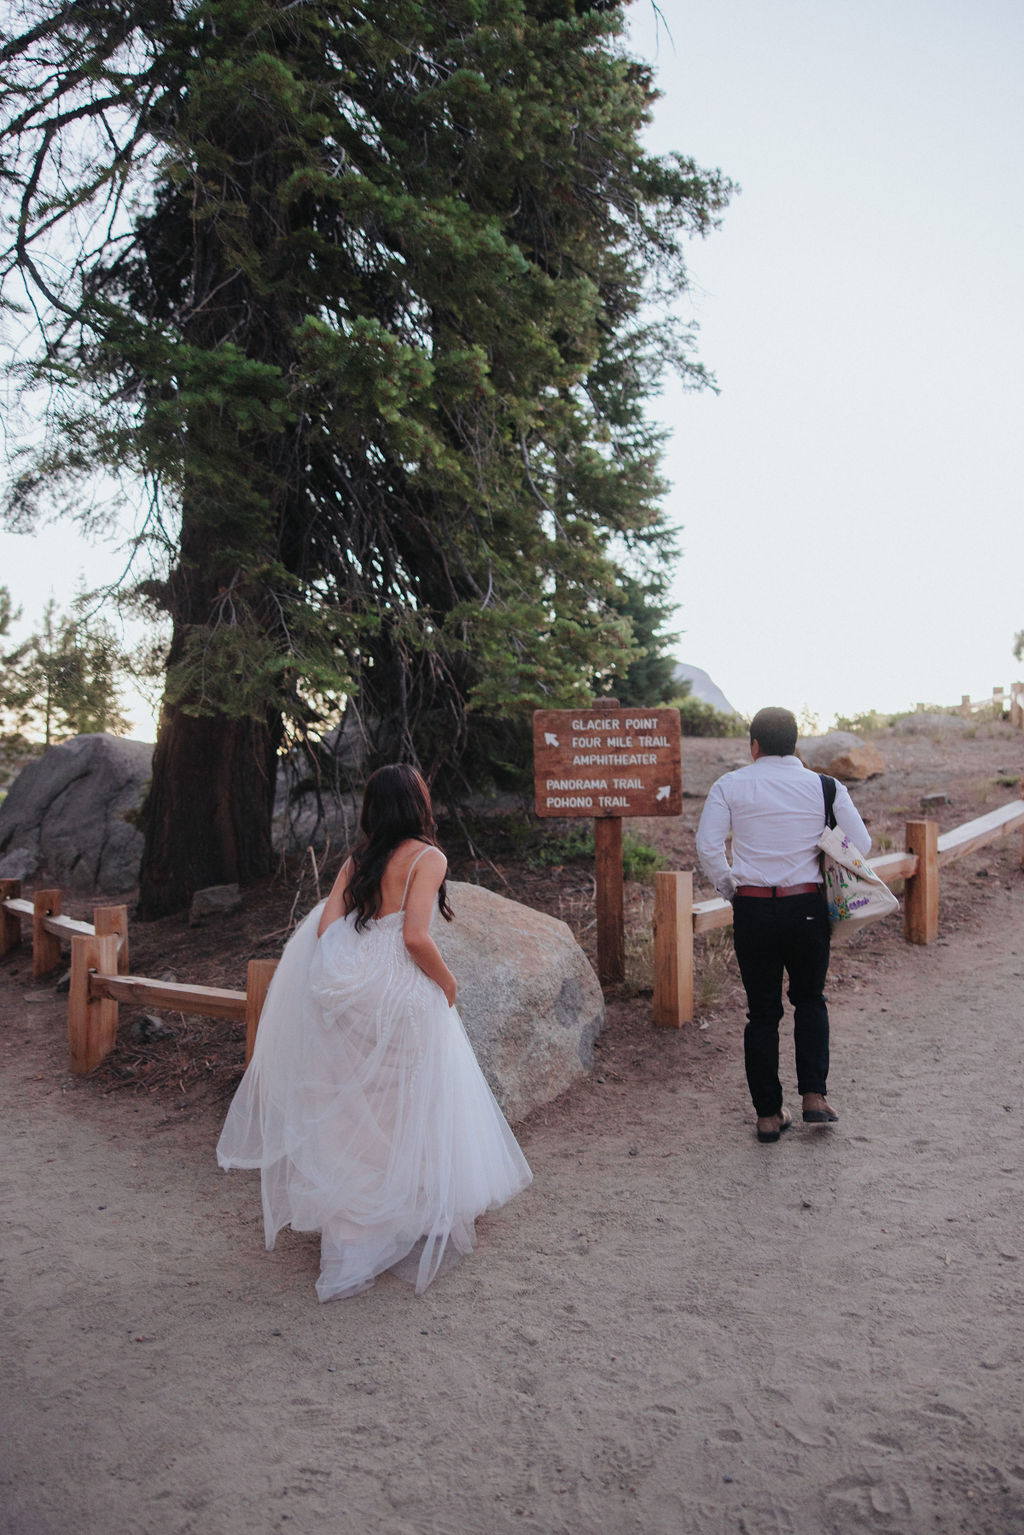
828 789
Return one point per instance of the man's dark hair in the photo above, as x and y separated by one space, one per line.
775 732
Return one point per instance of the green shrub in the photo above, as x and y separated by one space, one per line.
552 852
697 718
640 861
866 723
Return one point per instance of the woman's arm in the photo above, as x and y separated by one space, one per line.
419 908
334 906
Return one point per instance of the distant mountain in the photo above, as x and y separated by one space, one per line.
703 688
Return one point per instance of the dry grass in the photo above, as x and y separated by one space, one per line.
986 793
640 940
713 964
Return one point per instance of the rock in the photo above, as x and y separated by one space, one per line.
929 722
304 817
148 1027
301 821
19 863
702 687
932 801
72 811
530 1001
841 754
214 901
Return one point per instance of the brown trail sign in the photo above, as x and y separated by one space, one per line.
606 762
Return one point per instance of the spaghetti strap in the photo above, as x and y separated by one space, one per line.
408 877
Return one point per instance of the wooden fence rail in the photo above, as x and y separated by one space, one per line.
678 919
99 950
1000 699
49 927
100 979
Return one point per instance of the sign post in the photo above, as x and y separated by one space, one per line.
607 762
611 924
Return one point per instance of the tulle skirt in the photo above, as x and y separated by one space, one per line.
366 1111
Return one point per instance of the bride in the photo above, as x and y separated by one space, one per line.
363 1106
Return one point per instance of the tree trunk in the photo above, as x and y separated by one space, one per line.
209 810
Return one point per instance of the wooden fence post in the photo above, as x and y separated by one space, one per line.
258 977
45 946
92 1024
611 942
673 950
921 892
10 922
114 919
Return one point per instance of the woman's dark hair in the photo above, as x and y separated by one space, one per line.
396 809
775 731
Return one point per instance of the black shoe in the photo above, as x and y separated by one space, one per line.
773 1135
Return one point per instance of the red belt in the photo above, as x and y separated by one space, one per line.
769 890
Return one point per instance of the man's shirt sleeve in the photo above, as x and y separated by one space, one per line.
848 819
714 827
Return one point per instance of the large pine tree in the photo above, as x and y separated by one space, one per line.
358 293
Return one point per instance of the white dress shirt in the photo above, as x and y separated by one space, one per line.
775 810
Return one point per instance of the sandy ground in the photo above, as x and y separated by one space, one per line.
675 1330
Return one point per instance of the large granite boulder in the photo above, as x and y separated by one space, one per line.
931 722
843 755
702 687
69 816
302 820
529 999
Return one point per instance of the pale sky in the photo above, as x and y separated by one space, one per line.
850 502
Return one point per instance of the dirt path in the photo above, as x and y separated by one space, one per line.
676 1330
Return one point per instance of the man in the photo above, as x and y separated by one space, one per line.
775 811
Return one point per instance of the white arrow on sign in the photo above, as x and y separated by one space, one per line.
549 739
664 791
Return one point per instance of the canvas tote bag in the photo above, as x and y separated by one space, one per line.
853 891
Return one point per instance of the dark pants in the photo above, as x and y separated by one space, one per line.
770 935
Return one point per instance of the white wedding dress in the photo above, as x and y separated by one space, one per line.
366 1111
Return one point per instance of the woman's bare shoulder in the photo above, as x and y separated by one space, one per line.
425 855
413 846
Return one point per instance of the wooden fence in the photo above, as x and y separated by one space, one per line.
678 918
1000 700
99 950
100 979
